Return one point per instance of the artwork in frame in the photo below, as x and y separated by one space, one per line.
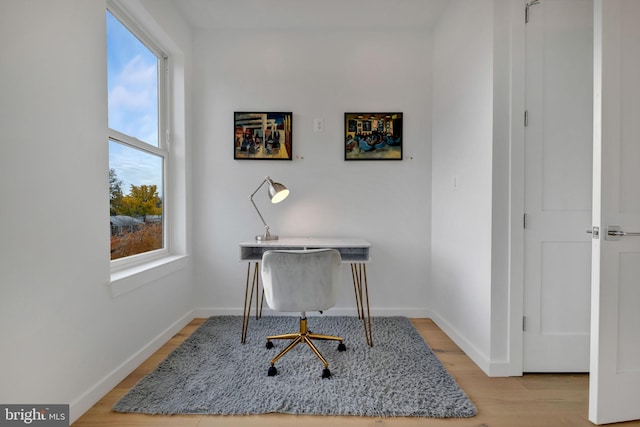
373 136
262 136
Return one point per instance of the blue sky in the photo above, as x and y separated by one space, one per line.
133 105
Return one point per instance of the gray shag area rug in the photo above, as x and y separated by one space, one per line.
212 373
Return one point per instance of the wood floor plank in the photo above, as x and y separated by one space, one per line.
539 400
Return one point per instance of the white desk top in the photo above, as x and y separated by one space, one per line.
303 242
351 250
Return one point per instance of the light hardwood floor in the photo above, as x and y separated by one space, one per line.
548 400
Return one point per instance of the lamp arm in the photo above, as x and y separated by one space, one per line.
266 227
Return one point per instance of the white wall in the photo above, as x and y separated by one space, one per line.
507 125
462 174
473 87
64 338
314 74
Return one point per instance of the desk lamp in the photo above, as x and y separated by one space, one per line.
277 193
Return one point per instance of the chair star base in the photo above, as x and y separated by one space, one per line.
303 336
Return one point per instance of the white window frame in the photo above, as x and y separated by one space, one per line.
137 270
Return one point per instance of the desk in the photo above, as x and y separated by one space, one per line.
353 251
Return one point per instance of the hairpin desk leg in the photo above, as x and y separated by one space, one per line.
359 276
244 308
356 290
261 302
246 312
366 291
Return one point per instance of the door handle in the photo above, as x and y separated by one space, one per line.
615 233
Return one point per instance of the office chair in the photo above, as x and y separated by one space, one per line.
301 281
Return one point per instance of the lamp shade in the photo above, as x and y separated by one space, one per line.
277 192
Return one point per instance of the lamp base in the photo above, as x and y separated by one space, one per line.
264 238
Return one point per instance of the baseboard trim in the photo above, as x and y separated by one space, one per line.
83 403
204 312
491 368
461 341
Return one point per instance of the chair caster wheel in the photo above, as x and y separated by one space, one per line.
272 371
342 347
326 373
269 344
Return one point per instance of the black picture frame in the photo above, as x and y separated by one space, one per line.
262 135
373 136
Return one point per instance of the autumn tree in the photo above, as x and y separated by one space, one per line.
141 201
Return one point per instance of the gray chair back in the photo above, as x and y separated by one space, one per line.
301 280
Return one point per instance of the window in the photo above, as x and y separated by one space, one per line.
138 152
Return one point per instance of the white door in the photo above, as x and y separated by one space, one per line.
558 166
615 327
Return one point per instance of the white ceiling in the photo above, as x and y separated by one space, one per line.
312 14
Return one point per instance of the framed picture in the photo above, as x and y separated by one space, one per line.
262 136
373 136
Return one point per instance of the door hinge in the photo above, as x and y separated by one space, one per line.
524 323
526 118
524 221
526 9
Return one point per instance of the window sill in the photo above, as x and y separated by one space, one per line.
126 280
